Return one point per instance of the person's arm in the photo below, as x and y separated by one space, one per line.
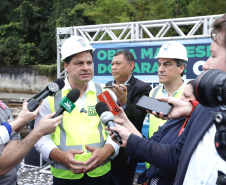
24 117
4 135
45 144
161 155
9 158
164 156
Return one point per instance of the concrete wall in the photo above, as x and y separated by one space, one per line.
21 80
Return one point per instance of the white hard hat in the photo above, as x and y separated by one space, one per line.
174 50
74 45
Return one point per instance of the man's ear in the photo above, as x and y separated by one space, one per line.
132 65
65 66
181 69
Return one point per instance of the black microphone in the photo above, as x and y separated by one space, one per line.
50 90
107 118
67 102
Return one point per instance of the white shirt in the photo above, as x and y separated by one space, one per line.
45 145
4 135
205 162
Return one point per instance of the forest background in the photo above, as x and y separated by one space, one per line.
28 28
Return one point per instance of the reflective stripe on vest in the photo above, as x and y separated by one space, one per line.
62 142
155 91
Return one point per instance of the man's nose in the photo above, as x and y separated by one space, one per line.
85 66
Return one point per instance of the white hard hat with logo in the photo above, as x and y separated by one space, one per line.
74 45
174 50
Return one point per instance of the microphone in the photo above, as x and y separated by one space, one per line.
109 98
107 118
67 102
50 90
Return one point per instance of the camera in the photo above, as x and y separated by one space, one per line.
210 91
210 88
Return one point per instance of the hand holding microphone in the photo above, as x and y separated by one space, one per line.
107 118
50 90
67 103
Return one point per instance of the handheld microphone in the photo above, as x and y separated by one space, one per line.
109 98
107 118
67 102
50 90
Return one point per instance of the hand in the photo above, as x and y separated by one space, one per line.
24 117
47 125
123 120
99 155
67 159
180 108
121 93
123 132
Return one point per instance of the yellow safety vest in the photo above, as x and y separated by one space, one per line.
75 131
154 122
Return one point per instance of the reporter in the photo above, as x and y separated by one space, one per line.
7 128
194 155
15 151
166 134
9 158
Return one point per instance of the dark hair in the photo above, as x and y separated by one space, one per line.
181 62
219 25
68 59
127 54
192 82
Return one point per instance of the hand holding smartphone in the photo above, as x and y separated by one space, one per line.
152 104
113 86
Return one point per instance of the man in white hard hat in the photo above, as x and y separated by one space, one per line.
80 148
172 62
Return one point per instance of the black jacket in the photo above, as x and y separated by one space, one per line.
174 157
166 134
136 115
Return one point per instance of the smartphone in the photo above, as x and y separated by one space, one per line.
152 104
113 86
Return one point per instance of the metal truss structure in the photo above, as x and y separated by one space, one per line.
144 31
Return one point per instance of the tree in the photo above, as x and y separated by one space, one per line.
28 28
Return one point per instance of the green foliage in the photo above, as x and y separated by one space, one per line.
47 70
107 11
206 7
29 54
28 28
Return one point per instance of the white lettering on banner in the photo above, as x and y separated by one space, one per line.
107 102
196 67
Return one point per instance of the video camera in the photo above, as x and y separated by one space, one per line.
210 91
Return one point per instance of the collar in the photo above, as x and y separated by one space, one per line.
114 82
164 92
90 86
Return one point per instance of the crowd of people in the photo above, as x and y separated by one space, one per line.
179 149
